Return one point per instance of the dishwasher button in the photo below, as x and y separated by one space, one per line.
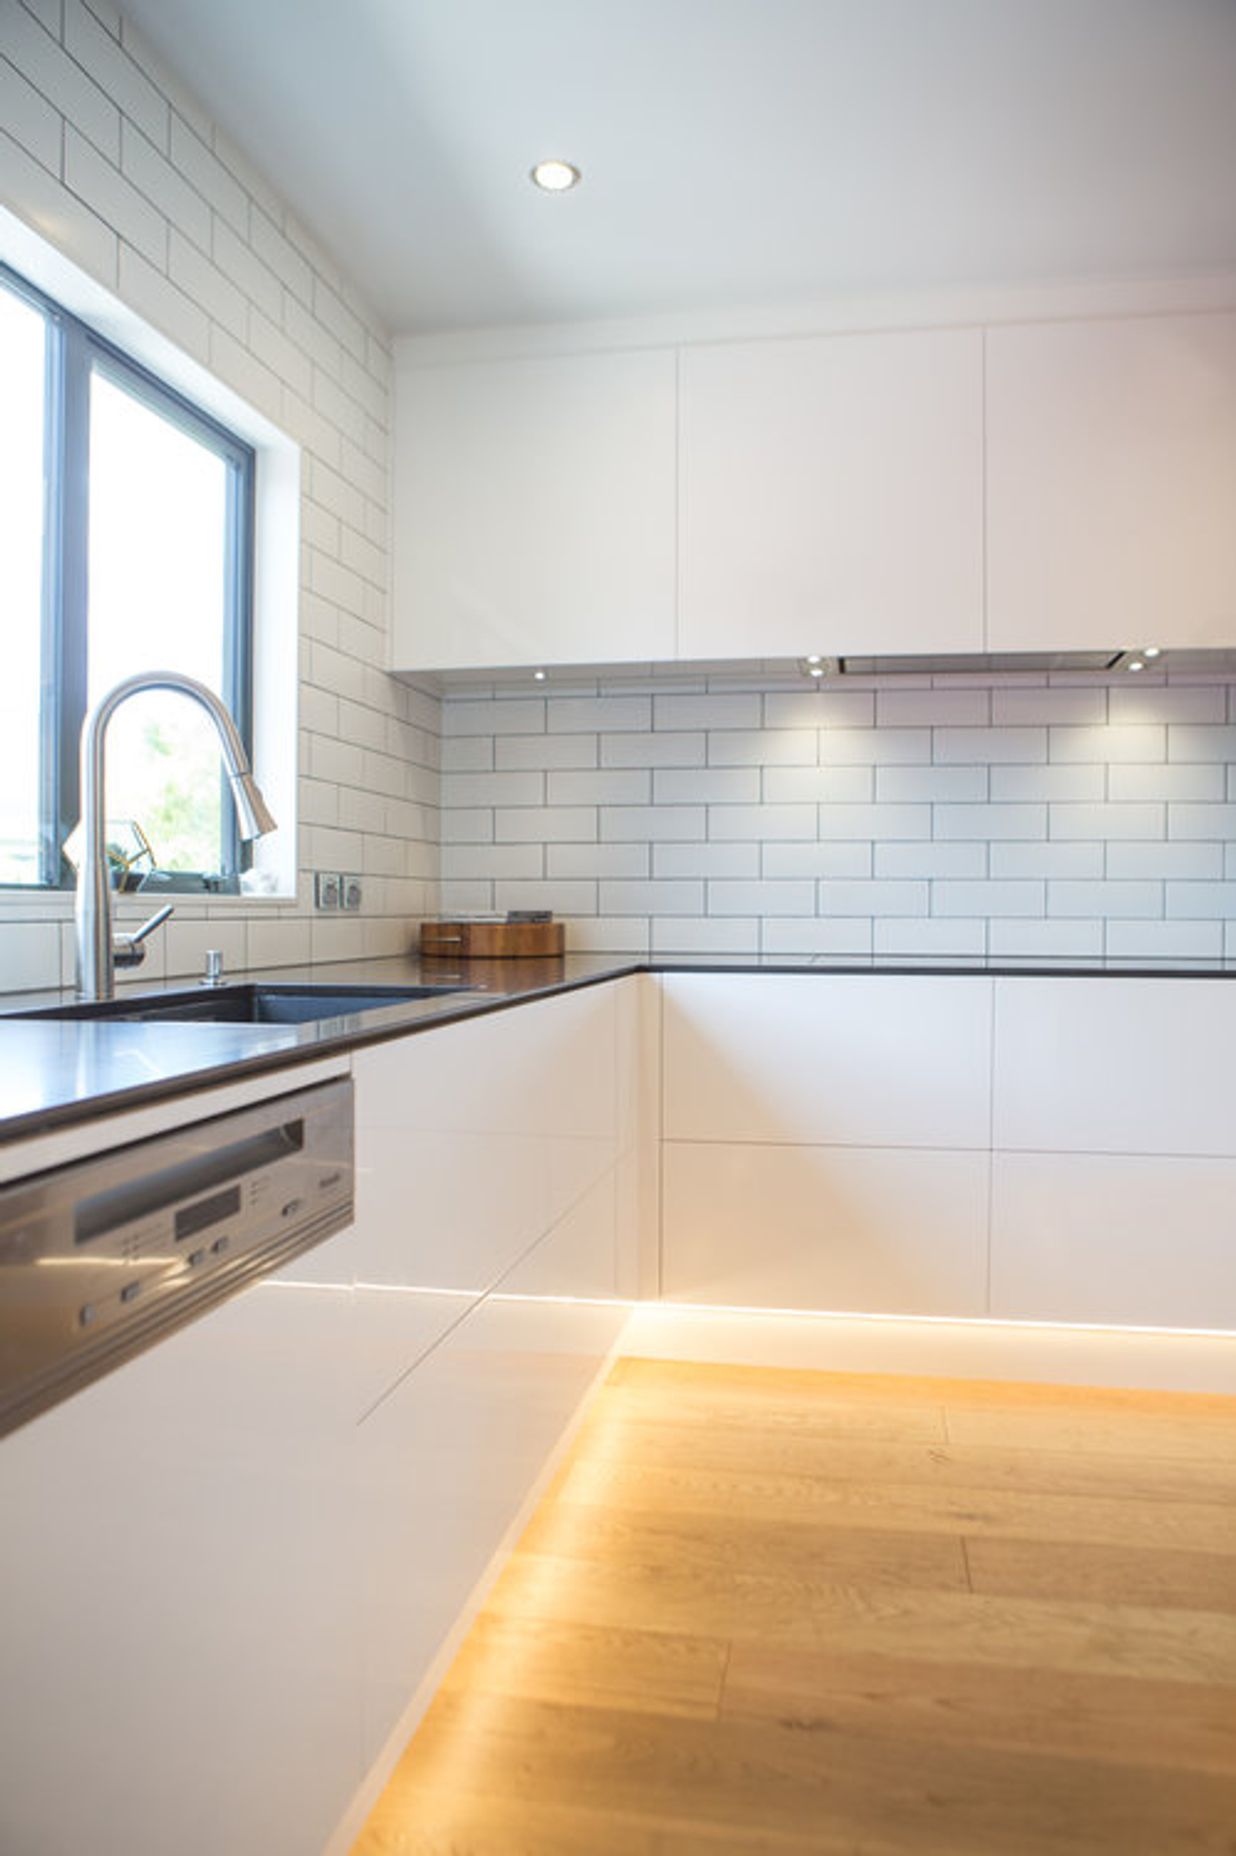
219 1246
130 1292
291 1208
196 1257
86 1314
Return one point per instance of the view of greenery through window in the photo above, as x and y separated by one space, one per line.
147 575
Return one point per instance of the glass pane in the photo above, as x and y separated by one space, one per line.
158 515
23 351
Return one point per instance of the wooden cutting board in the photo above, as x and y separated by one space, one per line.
491 940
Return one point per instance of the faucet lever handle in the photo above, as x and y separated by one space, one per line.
127 949
151 923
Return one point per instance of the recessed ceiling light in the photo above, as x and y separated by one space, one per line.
1153 650
538 676
816 670
1137 664
817 659
555 176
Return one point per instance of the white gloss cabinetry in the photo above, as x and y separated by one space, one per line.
229 1566
179 1647
832 495
826 1142
1115 1165
534 511
495 1228
1027 1148
1111 483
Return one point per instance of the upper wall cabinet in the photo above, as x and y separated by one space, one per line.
832 495
1111 495
534 512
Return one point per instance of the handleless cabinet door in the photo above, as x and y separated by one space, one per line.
1111 493
534 512
831 493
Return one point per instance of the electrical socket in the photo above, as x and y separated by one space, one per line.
327 890
350 893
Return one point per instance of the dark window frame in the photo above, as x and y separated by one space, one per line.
74 352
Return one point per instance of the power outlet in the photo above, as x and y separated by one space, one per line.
351 895
327 890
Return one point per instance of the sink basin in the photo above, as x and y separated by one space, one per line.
276 1004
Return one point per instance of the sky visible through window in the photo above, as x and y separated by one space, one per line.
22 353
158 515
157 600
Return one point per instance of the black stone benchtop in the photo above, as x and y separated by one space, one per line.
54 1072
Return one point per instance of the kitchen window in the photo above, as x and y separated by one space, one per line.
126 516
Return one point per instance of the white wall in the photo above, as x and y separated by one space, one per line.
111 160
907 815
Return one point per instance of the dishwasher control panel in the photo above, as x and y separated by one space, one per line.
102 1257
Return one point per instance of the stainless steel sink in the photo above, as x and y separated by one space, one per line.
287 1004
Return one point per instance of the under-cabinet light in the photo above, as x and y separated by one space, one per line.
1152 650
555 176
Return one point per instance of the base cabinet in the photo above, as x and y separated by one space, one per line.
228 1567
1030 1149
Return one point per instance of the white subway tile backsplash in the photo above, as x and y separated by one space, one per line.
836 858
594 714
648 824
762 821
655 897
1107 821
997 897
875 821
1043 859
1169 940
989 746
803 934
759 747
922 938
1190 782
527 751
493 718
1137 701
1045 940
1105 899
705 785
684 712
934 708
919 820
598 860
1145 742
930 860
1081 784
820 709
1175 857
1201 821
639 749
1186 742
605 787
545 824
1201 901
1048 704
679 934
733 860
761 898
873 897
989 821
934 783
494 860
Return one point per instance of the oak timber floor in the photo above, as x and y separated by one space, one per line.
778 1612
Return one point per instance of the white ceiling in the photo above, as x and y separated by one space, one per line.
734 151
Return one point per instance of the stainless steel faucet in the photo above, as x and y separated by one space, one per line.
98 950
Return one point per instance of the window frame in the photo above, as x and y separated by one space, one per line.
74 351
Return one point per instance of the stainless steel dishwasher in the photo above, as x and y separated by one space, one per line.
104 1256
